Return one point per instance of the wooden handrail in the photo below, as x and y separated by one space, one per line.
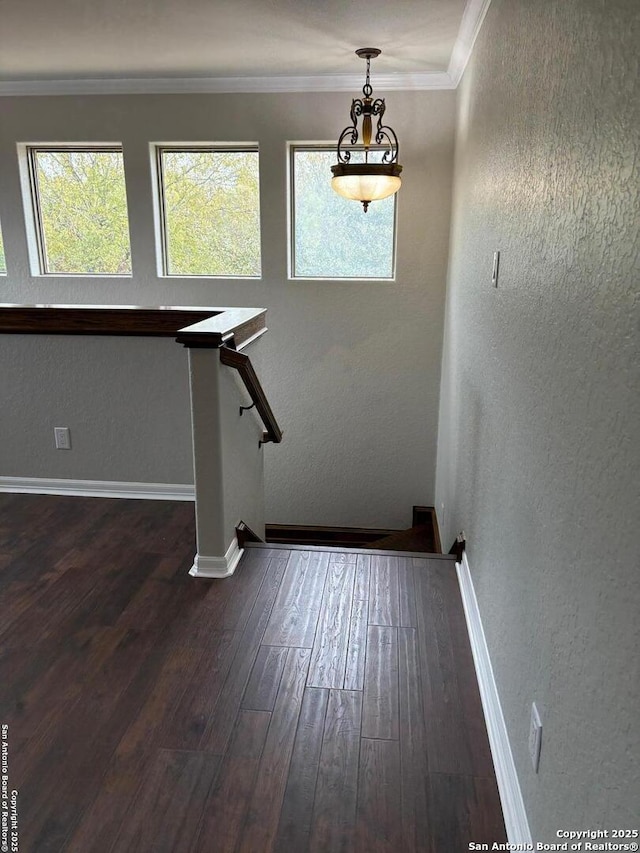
193 326
99 319
242 363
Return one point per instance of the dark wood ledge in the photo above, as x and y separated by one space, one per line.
231 326
190 325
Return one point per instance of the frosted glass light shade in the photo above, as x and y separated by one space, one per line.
366 181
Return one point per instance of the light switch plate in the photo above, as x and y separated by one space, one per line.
62 437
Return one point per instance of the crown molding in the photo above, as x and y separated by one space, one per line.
470 24
418 81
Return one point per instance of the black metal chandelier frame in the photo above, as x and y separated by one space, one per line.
368 107
351 140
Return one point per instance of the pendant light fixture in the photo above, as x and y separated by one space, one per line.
367 181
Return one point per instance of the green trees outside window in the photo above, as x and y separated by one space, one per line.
332 236
3 263
211 204
81 211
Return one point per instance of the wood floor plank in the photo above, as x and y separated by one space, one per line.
222 717
228 803
295 613
248 579
453 675
51 803
264 681
297 807
468 691
406 593
206 608
147 608
186 726
486 818
42 704
213 603
166 810
446 740
333 822
463 809
380 714
110 594
32 682
344 558
379 818
47 531
57 615
261 824
125 768
19 595
354 668
114 660
413 752
384 604
329 656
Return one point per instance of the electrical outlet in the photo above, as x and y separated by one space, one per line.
535 737
496 269
62 437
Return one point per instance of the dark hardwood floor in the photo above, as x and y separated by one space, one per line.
317 700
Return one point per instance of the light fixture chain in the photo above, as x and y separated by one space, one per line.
367 91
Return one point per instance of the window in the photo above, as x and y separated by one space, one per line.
80 210
3 263
209 211
332 237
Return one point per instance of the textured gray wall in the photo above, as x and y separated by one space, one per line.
126 401
538 437
352 369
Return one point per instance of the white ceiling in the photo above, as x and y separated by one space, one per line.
269 44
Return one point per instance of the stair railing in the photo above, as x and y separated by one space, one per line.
242 363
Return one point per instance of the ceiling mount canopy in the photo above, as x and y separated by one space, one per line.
377 174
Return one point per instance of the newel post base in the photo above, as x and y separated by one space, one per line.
217 567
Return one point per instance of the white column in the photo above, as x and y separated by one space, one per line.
228 463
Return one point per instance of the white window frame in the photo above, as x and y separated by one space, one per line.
159 208
4 271
36 241
292 147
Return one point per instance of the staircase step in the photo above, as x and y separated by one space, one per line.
417 538
348 537
421 537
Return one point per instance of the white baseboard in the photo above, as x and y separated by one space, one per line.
98 488
515 816
217 567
